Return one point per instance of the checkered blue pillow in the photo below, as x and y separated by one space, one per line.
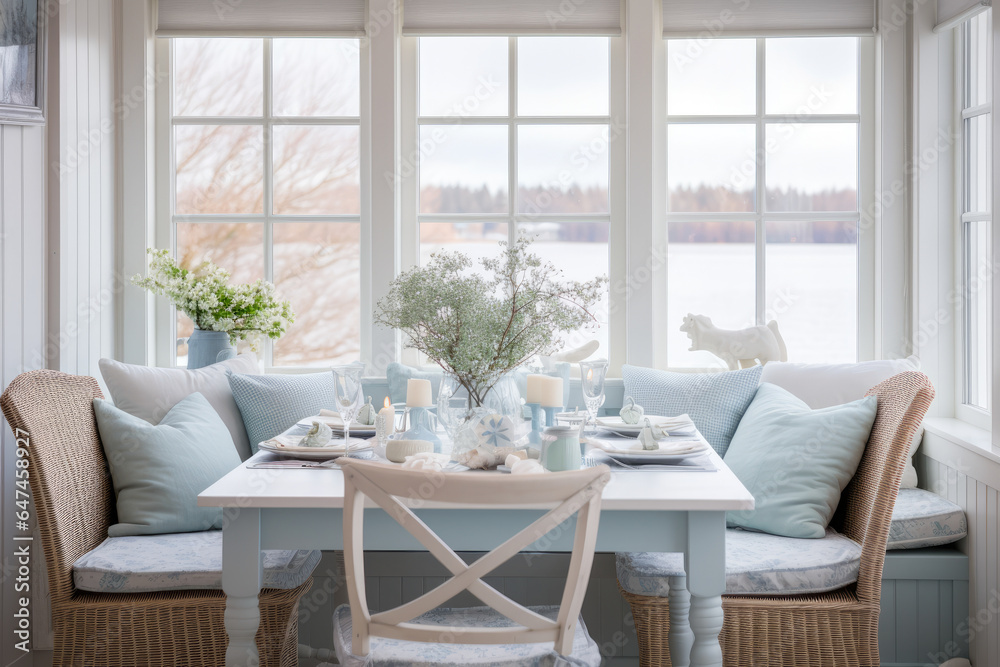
715 401
271 404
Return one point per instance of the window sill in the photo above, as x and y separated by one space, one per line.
962 447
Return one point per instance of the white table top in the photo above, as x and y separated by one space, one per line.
652 490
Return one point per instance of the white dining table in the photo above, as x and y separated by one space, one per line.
648 510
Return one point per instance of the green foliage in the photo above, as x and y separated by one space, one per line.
205 295
480 322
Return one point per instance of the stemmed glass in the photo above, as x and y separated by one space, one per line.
592 375
349 397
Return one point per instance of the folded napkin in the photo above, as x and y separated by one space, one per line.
668 447
286 441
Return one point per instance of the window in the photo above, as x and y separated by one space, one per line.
764 179
265 144
976 214
514 137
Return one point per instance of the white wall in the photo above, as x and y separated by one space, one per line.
57 247
22 320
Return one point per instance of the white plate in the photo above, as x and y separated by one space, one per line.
628 450
317 453
336 424
682 424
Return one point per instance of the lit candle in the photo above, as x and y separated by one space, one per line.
551 394
418 393
535 384
388 416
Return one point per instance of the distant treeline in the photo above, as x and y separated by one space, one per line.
542 201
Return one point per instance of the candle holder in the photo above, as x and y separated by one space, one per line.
420 427
535 437
550 414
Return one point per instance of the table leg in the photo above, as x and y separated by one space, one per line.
705 564
242 573
679 635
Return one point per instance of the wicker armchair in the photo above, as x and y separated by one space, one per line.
75 504
836 628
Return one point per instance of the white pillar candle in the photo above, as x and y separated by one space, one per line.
418 393
552 392
388 414
535 384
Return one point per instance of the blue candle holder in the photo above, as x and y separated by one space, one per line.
550 415
420 428
535 437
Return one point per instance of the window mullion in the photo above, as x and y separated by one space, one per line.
512 193
268 189
759 204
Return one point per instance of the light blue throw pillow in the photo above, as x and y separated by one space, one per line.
796 461
159 470
715 401
271 404
396 374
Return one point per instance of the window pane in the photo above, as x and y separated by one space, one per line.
711 167
317 267
463 76
710 271
562 169
463 169
236 247
580 251
218 77
220 169
562 76
316 77
977 164
978 297
475 239
811 75
711 76
812 289
812 167
316 169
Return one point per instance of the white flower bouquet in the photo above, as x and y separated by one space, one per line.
204 294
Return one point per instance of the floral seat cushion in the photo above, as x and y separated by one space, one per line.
756 564
924 519
178 561
398 653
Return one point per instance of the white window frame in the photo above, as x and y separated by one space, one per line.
865 121
167 218
614 218
975 415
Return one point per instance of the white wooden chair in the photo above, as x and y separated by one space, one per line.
502 633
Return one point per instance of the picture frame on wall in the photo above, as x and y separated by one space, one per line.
22 63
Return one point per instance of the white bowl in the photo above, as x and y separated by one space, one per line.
397 450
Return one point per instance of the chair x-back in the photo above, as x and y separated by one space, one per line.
396 490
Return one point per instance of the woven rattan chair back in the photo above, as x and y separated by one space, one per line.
866 505
568 494
52 416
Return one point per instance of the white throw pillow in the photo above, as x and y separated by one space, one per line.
823 385
149 393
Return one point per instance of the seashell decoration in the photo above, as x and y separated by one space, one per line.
631 413
367 413
317 436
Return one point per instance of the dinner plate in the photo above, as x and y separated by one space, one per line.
630 450
336 424
316 453
681 424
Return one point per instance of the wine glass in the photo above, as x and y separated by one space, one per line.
592 375
349 396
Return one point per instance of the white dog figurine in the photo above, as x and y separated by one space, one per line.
739 349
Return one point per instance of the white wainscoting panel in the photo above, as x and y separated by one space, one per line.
972 481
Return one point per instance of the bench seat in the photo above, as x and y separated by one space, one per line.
923 519
178 561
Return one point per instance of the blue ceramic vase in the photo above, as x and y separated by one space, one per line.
208 347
